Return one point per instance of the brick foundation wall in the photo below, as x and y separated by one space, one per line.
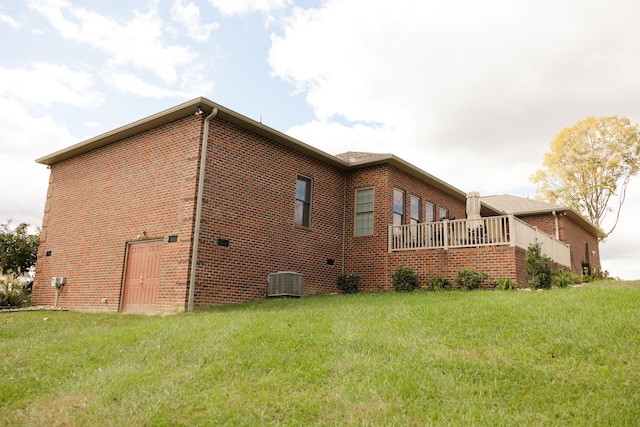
249 202
99 201
496 261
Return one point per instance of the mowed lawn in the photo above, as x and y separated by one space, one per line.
561 357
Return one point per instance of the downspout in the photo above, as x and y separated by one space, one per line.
344 220
196 229
557 226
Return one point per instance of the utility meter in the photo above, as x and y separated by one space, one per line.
57 282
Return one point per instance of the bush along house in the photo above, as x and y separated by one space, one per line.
198 206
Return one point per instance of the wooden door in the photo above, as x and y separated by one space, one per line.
140 294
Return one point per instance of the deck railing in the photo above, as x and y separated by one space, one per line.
487 231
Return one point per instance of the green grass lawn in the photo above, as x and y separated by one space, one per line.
560 357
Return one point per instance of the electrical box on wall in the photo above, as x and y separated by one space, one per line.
57 282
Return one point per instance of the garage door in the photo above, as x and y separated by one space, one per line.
142 278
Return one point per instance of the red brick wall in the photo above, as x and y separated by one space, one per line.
368 256
249 201
572 234
100 200
496 261
545 223
576 236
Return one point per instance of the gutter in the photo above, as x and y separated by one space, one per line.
199 196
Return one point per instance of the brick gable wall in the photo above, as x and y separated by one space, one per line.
101 200
249 201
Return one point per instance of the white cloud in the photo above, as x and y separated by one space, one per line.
25 138
137 42
189 16
472 92
131 84
234 7
44 84
10 21
491 81
338 138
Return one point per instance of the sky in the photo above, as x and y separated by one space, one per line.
471 92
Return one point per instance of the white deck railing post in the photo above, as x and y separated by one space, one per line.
494 231
445 230
512 231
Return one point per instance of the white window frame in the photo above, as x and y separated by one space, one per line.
364 213
429 208
443 213
398 217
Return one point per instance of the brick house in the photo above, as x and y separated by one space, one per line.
196 205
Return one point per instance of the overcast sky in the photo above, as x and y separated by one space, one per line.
472 92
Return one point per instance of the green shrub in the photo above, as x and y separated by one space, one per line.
405 279
538 268
13 292
598 274
505 284
437 283
348 283
564 278
468 279
586 269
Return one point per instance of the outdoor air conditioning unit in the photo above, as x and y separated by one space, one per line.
285 283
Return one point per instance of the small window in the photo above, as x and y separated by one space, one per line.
414 210
364 211
303 201
414 218
398 207
444 214
429 212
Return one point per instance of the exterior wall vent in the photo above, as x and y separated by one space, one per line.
285 283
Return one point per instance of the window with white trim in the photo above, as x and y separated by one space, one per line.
414 210
444 213
398 207
429 212
364 211
414 217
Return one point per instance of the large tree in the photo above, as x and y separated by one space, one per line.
18 248
588 164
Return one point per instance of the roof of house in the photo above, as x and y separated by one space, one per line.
523 206
360 156
178 112
344 161
359 160
517 205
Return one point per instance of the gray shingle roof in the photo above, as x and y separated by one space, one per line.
520 205
359 156
516 205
